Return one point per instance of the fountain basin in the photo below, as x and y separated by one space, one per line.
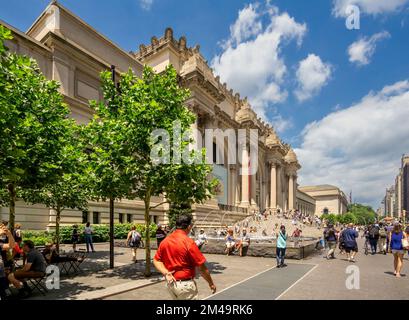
266 249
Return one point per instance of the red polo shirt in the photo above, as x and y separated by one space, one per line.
179 253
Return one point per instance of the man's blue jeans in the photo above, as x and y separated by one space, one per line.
280 255
88 241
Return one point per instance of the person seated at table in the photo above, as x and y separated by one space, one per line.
35 267
17 251
244 243
52 256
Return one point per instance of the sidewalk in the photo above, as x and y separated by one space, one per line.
98 281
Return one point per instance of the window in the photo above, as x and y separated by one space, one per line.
95 217
129 218
326 211
85 217
154 219
121 218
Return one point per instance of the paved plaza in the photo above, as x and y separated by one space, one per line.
247 278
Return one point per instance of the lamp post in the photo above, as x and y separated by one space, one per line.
111 209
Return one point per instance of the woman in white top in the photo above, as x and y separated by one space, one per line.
88 237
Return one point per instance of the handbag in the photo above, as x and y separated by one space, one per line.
405 243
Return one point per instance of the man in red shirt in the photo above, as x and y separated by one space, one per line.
177 258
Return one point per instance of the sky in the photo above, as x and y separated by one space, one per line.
338 95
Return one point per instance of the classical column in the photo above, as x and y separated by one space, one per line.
291 192
279 194
244 177
253 187
232 185
273 186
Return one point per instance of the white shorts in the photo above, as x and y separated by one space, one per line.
183 290
230 244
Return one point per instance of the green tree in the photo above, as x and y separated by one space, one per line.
364 214
347 218
71 191
32 121
154 102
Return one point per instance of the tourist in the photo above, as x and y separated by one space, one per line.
243 244
35 267
382 239
160 235
330 235
177 258
351 246
74 238
373 238
389 229
398 244
17 234
297 235
201 239
341 241
281 247
230 242
88 231
4 247
134 241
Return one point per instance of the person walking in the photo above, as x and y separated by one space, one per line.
134 241
382 239
74 238
330 236
398 243
351 246
160 235
88 231
281 247
177 259
373 238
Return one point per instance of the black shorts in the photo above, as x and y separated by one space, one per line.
351 249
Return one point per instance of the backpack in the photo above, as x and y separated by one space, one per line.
382 233
374 232
135 239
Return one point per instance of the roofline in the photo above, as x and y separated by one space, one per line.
24 35
88 26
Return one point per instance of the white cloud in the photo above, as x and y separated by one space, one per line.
361 51
359 148
251 61
246 25
371 7
146 4
312 75
280 124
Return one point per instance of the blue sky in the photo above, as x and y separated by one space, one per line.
314 95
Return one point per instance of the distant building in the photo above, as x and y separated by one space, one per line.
328 199
396 199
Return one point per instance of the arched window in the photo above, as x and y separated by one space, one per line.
325 211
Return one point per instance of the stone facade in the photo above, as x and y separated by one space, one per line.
70 51
328 199
396 200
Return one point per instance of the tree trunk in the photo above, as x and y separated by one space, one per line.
57 228
148 272
111 233
12 207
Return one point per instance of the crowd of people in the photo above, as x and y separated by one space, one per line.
382 238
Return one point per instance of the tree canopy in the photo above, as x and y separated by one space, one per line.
33 124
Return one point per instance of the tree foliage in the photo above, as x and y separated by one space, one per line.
33 120
125 122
